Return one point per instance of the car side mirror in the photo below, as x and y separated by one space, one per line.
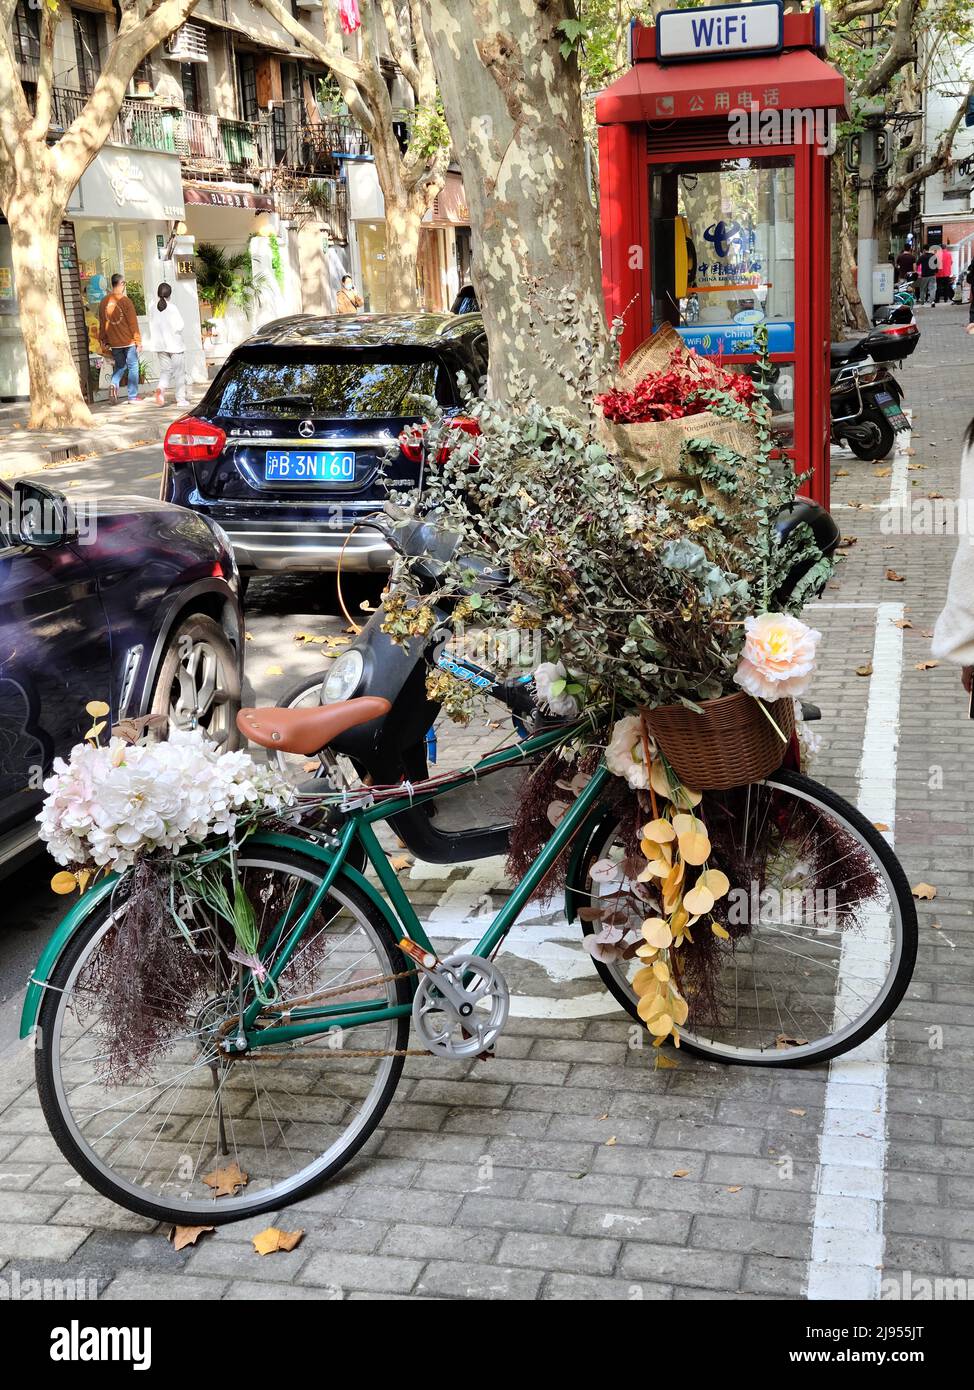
42 517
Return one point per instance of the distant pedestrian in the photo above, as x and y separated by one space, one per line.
167 330
120 339
969 282
926 269
349 299
905 264
945 277
953 633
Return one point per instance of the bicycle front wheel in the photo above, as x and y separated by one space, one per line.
177 1129
822 928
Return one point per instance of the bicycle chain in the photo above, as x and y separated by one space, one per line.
333 993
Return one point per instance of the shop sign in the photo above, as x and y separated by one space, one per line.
726 338
719 31
146 187
197 195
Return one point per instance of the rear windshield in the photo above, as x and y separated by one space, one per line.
366 384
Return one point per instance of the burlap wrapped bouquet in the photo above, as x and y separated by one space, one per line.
660 379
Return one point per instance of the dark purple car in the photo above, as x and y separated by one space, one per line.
129 601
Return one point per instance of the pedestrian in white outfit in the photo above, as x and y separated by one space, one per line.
953 635
167 328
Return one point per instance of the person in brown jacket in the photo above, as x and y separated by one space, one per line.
118 333
349 299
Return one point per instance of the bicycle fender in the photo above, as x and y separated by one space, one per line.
79 913
63 932
576 895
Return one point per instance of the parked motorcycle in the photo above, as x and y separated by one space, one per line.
473 821
865 403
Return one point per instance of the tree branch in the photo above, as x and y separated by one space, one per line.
45 75
87 133
15 117
402 55
902 50
857 9
937 161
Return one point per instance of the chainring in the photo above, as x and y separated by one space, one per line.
441 1026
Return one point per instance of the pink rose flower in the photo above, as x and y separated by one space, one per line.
778 657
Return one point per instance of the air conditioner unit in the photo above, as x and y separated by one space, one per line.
309 4
187 44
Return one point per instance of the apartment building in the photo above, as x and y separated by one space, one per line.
230 137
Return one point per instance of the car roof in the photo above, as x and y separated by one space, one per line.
366 330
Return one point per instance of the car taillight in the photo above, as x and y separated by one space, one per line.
190 440
469 425
411 442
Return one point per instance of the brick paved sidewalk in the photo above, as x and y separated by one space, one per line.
549 1172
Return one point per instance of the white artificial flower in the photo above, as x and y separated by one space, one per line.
778 657
106 804
626 756
565 706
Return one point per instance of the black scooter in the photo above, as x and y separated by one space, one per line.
473 821
865 400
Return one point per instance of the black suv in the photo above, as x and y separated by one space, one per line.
298 437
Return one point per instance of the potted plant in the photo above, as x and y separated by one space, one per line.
226 277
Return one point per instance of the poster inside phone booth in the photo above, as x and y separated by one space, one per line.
714 176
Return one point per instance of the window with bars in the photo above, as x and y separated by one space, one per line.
247 78
192 96
87 48
27 35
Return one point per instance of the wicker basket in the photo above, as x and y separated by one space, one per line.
732 743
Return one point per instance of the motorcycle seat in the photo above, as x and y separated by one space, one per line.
307 731
842 352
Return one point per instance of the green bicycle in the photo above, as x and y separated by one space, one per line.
267 1087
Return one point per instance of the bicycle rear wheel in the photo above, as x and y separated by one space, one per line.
823 929
164 1136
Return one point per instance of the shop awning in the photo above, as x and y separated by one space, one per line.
797 81
220 196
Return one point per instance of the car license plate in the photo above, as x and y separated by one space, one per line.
891 409
316 466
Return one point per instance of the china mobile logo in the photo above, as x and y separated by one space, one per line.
749 125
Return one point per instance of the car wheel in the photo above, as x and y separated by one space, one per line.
198 686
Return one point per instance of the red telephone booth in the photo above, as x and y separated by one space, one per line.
715 210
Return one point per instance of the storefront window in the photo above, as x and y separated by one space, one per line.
130 244
8 297
723 239
97 263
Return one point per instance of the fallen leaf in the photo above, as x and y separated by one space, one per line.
274 671
225 1181
682 1173
664 1063
181 1236
866 670
603 1117
926 891
248 636
797 1112
272 1240
880 825
895 578
782 1041
846 541
909 451
611 1141
935 496
935 926
926 632
882 472
925 665
400 862
841 473
733 1189
901 622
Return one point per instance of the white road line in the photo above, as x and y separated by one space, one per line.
847 1230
